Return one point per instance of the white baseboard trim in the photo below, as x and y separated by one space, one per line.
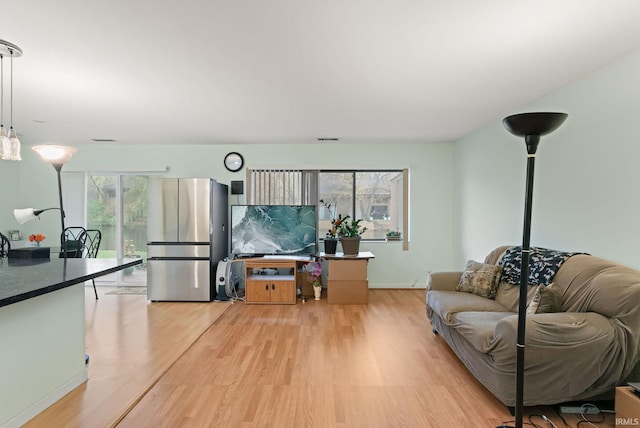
36 408
398 286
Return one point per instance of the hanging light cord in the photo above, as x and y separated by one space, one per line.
1 89
11 87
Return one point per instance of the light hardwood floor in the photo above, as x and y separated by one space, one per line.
320 365
303 365
131 343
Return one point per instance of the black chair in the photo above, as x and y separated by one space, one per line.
5 246
73 243
94 236
77 243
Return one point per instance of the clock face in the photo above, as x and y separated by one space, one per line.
233 161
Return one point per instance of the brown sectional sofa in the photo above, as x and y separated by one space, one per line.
579 353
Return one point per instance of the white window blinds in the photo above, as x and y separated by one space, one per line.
282 187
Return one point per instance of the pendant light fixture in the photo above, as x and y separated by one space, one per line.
4 141
10 142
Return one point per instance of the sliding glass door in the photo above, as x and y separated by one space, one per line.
117 206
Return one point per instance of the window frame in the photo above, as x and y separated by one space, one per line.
405 197
310 192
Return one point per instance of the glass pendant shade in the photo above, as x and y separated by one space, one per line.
11 146
4 140
10 142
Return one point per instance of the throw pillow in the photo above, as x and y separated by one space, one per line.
480 279
546 299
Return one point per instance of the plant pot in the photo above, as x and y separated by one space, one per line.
330 246
350 246
317 292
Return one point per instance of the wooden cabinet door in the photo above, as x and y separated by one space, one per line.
283 292
258 291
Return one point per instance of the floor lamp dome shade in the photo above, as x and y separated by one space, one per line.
55 155
533 125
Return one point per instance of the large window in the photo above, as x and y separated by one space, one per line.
375 196
378 197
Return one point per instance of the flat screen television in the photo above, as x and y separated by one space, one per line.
258 230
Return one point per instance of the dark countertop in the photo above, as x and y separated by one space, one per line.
22 279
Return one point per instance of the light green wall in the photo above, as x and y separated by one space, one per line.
10 183
585 192
466 197
431 189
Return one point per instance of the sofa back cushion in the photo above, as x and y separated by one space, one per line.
546 299
494 256
592 284
508 295
587 284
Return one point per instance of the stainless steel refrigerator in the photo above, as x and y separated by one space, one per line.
187 234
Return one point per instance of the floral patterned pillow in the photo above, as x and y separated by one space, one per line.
480 279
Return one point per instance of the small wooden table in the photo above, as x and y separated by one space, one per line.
347 281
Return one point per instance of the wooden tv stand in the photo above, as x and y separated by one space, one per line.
271 289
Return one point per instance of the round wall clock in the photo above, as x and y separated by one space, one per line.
233 161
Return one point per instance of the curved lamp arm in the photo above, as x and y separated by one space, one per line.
24 215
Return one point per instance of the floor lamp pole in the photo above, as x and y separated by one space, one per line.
58 168
532 145
530 126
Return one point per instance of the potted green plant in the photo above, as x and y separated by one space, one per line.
350 232
331 237
394 236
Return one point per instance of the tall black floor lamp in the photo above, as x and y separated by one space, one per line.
57 156
531 126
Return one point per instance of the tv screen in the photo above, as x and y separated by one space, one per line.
273 229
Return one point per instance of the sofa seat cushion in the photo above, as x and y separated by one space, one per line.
478 327
446 304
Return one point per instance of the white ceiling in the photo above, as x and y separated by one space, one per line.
290 71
